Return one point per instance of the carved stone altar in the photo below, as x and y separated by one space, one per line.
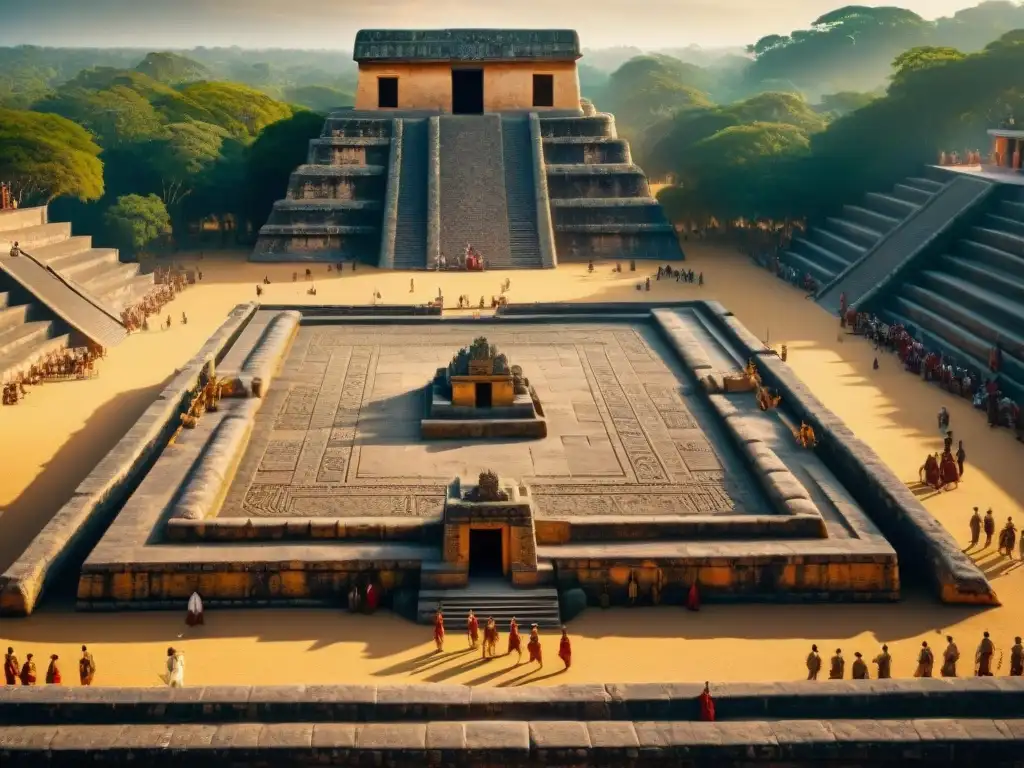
481 395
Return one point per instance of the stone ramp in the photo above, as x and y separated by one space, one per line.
888 256
520 192
410 249
65 300
473 204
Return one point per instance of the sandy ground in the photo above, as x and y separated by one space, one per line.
52 440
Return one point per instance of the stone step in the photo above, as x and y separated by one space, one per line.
911 194
1011 210
78 263
873 220
23 357
1004 224
29 238
855 233
14 337
994 257
928 185
1005 241
804 265
20 218
134 292
49 254
114 277
594 126
835 243
13 316
502 603
889 205
994 308
990 278
411 225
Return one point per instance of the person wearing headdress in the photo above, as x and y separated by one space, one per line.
534 647
884 663
950 657
1008 538
195 610
983 657
53 671
925 661
975 528
472 629
859 670
439 630
28 671
515 641
11 668
86 667
565 649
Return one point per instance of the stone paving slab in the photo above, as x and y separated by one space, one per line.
552 742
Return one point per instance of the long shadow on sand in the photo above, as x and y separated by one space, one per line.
26 516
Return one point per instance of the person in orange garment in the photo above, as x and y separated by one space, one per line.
11 668
693 598
534 647
515 642
949 473
439 630
565 649
53 672
707 705
473 629
28 671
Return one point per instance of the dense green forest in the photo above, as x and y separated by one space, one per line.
135 146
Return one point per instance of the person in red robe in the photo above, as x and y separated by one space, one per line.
931 472
515 642
11 668
372 598
439 630
949 474
693 598
28 671
53 672
565 649
707 705
534 647
473 630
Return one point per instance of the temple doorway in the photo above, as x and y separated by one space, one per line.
485 553
467 91
484 394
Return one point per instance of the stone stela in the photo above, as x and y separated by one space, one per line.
480 395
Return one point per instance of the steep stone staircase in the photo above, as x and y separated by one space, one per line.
829 249
520 193
473 205
971 298
411 228
28 332
495 599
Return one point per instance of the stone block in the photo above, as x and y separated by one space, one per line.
408 738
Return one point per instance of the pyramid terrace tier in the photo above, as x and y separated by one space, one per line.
338 182
593 126
346 150
329 213
569 150
611 180
343 125
569 213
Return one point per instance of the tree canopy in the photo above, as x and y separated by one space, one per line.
135 221
45 156
172 68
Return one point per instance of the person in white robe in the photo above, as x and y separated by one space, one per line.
195 610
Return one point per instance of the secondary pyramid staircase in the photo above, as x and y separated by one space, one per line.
970 297
826 250
495 599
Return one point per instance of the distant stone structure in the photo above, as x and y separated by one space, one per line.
463 136
480 395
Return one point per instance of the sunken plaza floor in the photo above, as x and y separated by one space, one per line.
656 471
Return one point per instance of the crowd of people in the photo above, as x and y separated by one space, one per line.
981 389
985 662
955 158
491 638
1007 536
16 673
60 365
168 283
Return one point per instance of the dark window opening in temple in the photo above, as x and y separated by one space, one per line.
543 90
387 92
485 552
483 395
467 91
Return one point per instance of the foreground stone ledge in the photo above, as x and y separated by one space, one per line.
913 698
552 742
91 508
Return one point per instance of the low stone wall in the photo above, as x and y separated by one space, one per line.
545 229
303 529
966 743
331 312
433 252
921 540
264 360
686 528
389 216
76 527
992 697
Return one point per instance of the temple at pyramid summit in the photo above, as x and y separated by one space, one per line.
467 139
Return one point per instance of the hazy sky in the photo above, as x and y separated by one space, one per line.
333 23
